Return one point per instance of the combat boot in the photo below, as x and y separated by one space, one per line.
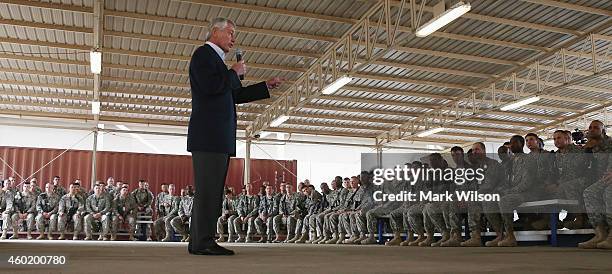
311 237
454 240
49 235
88 238
319 239
101 238
62 236
114 237
75 237
295 238
369 241
607 243
474 240
341 237
249 239
494 242
509 241
240 239
362 237
445 237
333 240
397 239
221 239
41 236
352 239
600 235
262 239
3 237
416 241
427 241
29 235
15 234
302 239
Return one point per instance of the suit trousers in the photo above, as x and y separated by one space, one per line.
210 170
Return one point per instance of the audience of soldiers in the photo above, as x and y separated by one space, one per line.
346 213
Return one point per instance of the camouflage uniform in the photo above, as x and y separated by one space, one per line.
98 205
184 214
522 187
570 169
312 207
598 196
268 206
332 219
350 204
247 208
365 200
288 214
22 203
167 208
60 191
144 199
382 209
70 208
47 204
126 208
228 214
172 212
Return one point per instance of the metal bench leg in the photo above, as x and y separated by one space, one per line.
380 231
554 219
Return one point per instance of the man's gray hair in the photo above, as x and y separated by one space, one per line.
219 23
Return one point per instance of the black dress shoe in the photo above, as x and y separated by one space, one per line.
212 250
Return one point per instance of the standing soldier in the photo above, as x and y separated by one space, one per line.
47 206
22 207
123 210
173 203
184 214
144 200
98 207
71 208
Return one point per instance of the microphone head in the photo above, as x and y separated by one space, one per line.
238 53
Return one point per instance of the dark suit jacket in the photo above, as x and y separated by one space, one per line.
215 91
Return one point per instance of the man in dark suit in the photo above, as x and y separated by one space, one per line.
215 91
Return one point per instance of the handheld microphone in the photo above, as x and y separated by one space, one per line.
238 59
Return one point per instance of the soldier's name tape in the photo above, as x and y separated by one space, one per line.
7 260
430 196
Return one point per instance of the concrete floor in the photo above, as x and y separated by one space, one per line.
153 257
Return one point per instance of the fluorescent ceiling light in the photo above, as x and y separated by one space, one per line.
520 103
443 19
122 127
264 134
95 61
279 120
430 131
95 107
101 126
336 85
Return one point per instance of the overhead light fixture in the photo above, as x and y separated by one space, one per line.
336 85
95 61
430 131
101 126
443 19
264 134
279 120
95 107
520 103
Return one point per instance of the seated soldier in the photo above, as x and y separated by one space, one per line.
47 206
22 207
268 208
228 214
173 203
123 211
71 208
144 201
98 208
179 223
